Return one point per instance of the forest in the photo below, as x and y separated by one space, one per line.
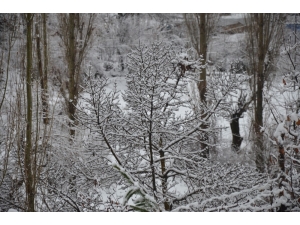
149 112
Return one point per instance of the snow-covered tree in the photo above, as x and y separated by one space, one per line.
76 34
263 40
157 152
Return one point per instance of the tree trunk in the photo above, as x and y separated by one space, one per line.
260 162
72 71
76 30
41 75
44 80
203 52
202 83
264 37
164 179
235 130
151 150
30 193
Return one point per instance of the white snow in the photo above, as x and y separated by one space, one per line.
12 210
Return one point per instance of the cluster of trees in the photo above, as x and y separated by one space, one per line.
72 141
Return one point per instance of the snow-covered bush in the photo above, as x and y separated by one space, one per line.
156 151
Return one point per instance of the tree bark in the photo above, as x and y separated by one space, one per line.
235 130
200 27
260 161
264 37
202 83
76 36
41 73
203 53
30 192
164 180
72 71
44 81
151 150
235 123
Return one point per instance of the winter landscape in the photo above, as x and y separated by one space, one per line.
127 112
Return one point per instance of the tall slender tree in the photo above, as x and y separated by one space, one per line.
30 192
263 38
200 27
41 70
76 34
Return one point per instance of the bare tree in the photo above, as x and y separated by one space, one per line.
76 33
28 164
42 62
263 38
41 70
11 20
7 135
200 27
